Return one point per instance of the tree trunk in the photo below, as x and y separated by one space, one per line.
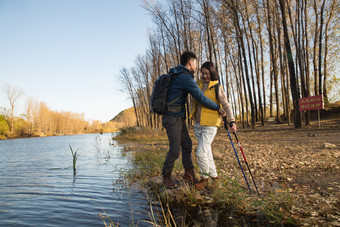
306 56
295 93
264 113
242 87
250 59
240 37
257 70
287 87
325 92
316 91
320 45
273 62
282 71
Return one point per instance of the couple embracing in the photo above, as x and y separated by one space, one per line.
210 103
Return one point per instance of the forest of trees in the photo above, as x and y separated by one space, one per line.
269 53
39 120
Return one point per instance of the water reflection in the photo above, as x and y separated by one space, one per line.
37 185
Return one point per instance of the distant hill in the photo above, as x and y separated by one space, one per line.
125 118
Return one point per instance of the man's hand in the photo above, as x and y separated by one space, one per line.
233 126
221 112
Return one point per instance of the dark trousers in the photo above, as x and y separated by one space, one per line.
179 138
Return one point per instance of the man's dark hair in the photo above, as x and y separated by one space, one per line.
211 67
186 56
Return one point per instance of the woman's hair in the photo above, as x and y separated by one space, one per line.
186 56
211 67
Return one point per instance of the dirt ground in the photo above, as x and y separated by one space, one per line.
305 162
298 167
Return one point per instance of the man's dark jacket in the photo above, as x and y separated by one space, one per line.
182 85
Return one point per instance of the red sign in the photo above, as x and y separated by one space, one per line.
311 103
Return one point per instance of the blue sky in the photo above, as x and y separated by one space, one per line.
67 53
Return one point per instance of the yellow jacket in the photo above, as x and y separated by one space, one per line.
208 117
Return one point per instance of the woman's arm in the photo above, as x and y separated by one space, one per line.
225 104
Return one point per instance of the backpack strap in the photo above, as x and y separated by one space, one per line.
172 75
216 86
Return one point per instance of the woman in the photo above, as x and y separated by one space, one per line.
206 121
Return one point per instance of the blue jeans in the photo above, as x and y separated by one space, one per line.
205 136
179 140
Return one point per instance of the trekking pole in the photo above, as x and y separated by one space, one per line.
244 157
226 127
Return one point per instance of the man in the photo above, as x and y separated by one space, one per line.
174 118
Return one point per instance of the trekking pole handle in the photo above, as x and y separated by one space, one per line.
225 122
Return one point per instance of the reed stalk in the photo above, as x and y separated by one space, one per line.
75 156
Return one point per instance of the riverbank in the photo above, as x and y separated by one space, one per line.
296 171
2 137
9 137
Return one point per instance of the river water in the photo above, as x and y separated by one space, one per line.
38 186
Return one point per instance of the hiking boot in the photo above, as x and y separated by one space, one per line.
189 175
168 182
202 184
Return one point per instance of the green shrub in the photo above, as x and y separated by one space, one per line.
4 127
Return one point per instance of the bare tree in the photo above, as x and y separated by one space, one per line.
125 79
13 94
31 114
